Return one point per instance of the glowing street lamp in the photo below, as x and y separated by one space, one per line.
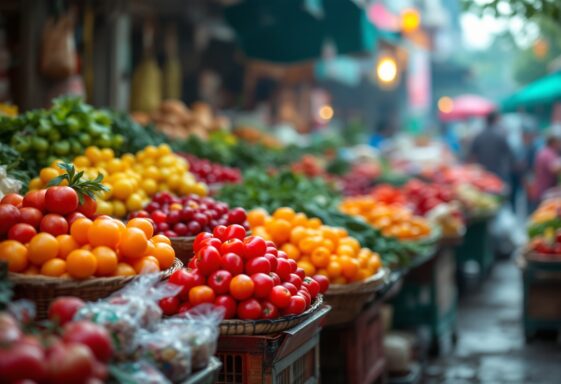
445 104
326 113
410 20
386 70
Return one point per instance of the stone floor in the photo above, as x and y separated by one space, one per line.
491 347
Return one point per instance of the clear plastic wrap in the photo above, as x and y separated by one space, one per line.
138 372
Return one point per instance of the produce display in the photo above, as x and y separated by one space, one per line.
544 228
131 179
211 173
316 248
472 175
246 275
393 220
188 215
476 202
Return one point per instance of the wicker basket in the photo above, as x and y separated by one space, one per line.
347 301
43 289
183 247
263 327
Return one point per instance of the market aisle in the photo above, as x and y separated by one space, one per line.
491 347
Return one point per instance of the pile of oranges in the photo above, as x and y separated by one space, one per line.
316 248
131 179
103 247
393 220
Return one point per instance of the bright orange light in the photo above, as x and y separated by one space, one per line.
410 20
326 112
445 104
386 69
541 48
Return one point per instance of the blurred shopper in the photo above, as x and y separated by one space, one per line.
548 163
490 148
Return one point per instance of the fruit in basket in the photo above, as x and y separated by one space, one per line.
242 279
189 215
63 309
131 179
392 220
316 248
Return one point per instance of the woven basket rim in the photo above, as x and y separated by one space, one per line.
41 280
371 284
183 239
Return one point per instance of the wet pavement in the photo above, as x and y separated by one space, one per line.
491 348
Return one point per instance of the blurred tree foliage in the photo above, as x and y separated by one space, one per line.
550 9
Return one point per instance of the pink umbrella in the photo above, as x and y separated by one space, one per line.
467 106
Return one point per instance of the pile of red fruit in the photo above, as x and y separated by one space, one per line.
77 353
425 196
468 174
359 179
246 275
189 215
547 245
212 173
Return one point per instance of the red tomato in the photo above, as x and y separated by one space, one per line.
63 309
242 287
306 295
232 263
312 286
22 361
88 207
185 307
293 265
291 287
297 305
270 244
22 232
280 296
9 216
254 247
186 280
61 200
237 216
283 269
219 232
169 305
14 199
219 281
300 272
232 246
159 217
201 294
249 310
323 282
295 280
273 251
211 241
263 284
272 260
276 278
31 216
208 260
235 231
94 336
268 310
70 363
73 217
54 224
230 306
282 255
35 199
199 238
258 265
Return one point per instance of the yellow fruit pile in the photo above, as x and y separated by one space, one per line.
132 179
316 248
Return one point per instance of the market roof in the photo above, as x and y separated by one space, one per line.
542 92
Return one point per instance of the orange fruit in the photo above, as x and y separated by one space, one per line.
307 266
54 267
285 213
79 230
256 217
143 224
121 225
81 264
328 243
133 243
362 274
345 250
374 263
334 269
104 232
165 255
161 239
339 280
150 247
42 247
320 257
66 244
322 272
308 244
279 230
15 254
299 219
349 267
314 223
124 269
350 241
297 234
87 247
147 264
106 261
31 270
291 251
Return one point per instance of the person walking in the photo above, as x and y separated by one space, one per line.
547 167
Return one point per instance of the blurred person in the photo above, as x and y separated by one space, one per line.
547 167
382 135
491 150
450 138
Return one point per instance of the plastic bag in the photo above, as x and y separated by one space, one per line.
198 329
507 232
58 50
138 372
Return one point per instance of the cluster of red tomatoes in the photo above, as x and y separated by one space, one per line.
212 173
76 353
50 210
246 275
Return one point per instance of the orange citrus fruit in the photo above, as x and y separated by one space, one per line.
66 244
133 243
15 254
161 239
81 264
165 255
54 267
106 261
104 232
124 269
143 224
79 230
147 264
42 247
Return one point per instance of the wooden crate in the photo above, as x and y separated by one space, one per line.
354 353
290 357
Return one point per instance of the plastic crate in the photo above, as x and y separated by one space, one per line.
354 353
290 357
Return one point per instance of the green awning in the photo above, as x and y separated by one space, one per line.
541 93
